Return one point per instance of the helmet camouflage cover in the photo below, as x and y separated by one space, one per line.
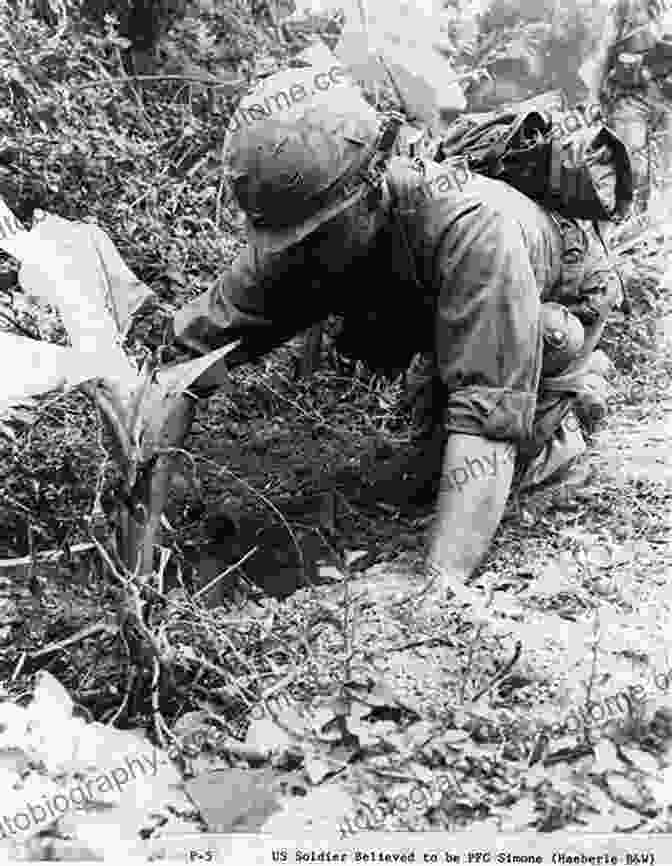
296 152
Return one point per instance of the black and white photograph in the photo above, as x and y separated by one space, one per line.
335 431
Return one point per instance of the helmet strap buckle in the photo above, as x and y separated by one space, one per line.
382 151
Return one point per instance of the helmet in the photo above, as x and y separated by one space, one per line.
297 156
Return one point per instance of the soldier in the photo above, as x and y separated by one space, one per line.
430 261
630 72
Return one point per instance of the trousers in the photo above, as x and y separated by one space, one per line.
642 118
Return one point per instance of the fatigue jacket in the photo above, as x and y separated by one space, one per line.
460 269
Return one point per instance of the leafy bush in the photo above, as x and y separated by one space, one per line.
140 159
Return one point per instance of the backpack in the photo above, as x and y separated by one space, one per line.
584 175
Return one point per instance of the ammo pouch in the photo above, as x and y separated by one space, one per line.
629 71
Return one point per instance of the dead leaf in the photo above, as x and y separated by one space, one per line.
536 775
353 556
13 761
325 716
606 758
316 815
67 850
419 733
357 712
235 800
451 738
14 722
624 791
422 773
318 769
520 817
598 800
330 572
553 580
175 276
193 728
599 556
625 820
266 736
661 788
643 761
370 735
51 700
379 695
603 823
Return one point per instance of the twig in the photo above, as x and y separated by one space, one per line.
647 235
470 658
35 526
300 736
593 666
218 204
245 663
33 561
142 626
228 679
243 751
421 593
395 777
156 712
125 582
428 641
501 674
395 86
82 634
316 418
127 696
214 83
348 624
19 666
225 573
19 327
42 412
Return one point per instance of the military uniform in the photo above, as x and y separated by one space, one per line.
631 68
462 274
459 267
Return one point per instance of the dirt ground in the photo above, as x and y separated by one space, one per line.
332 491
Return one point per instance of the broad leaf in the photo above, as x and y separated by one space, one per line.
160 404
76 268
63 263
234 800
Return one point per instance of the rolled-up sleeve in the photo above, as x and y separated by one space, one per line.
489 341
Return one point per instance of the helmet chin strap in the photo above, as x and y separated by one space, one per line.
374 175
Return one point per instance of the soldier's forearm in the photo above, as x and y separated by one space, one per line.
475 484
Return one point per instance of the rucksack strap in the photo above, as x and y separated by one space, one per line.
402 178
626 305
555 172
